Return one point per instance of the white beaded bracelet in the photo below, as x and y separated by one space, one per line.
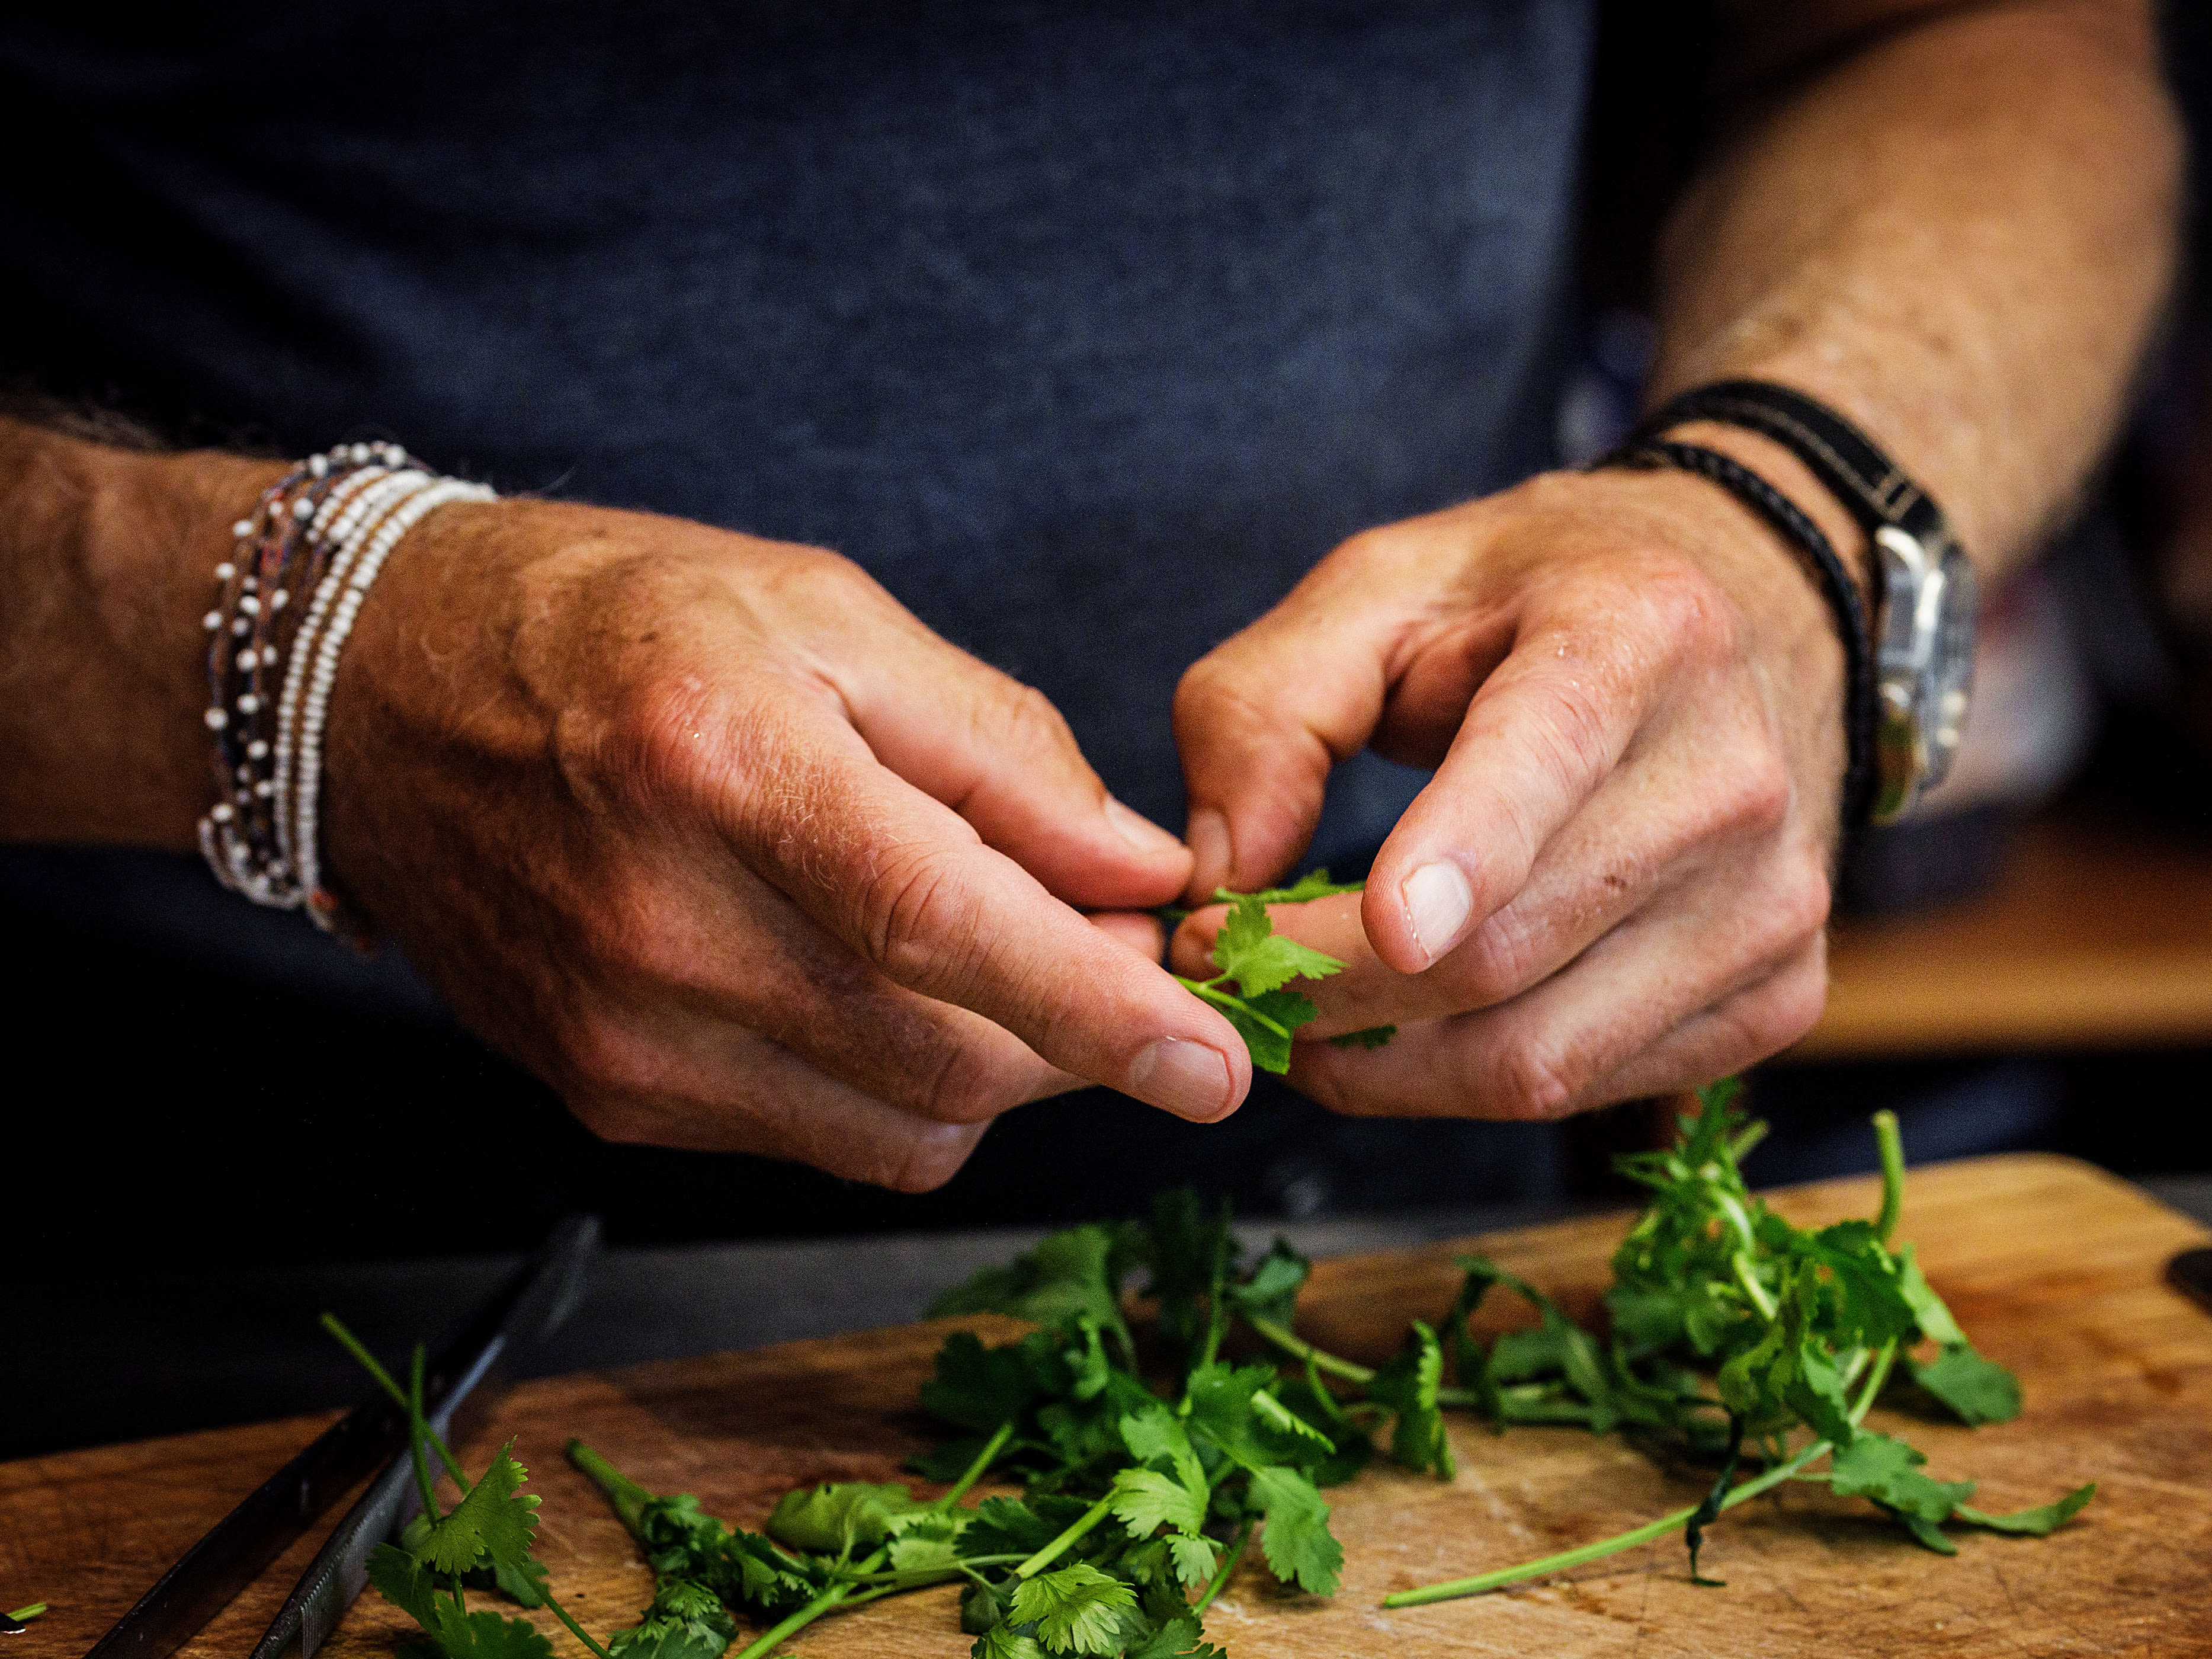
305 558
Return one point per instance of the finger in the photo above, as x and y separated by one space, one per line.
1637 839
1761 1020
900 879
1589 662
1548 1051
711 942
1139 930
1260 720
997 752
727 1090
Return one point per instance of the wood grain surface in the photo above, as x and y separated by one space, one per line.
2056 1269
2097 934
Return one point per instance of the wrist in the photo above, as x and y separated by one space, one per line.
106 563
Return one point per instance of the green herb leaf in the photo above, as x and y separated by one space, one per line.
1078 1607
1888 1470
1249 950
1314 884
1975 1390
1296 1538
1372 1036
1006 1643
2037 1523
1408 1385
836 1519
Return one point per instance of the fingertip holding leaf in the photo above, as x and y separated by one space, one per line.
1261 962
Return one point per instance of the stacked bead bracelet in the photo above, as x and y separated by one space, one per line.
286 600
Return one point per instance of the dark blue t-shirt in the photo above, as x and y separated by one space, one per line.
1086 328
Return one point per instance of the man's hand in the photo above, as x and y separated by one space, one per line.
1616 883
717 837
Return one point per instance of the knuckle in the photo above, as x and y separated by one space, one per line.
963 1087
1020 719
1683 606
1503 958
1535 1082
918 921
923 1158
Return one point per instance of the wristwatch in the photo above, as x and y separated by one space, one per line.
1922 643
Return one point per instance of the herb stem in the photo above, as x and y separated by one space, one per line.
1749 1277
23 1615
1892 1174
366 1361
1052 1552
977 1467
626 1497
1299 1348
1651 1531
1222 1573
792 1624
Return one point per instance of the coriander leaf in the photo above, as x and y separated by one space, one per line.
1409 1386
1006 1643
1068 1275
1929 1308
1314 884
411 1587
1272 1291
1888 1470
834 1519
982 1607
1006 1526
1195 1558
1185 1241
1221 1413
1178 1638
1925 1532
686 1621
1145 1500
1248 951
1077 1608
1975 1390
1371 1036
1296 1538
2037 1523
1266 1022
929 1542
1278 1417
978 1388
496 1521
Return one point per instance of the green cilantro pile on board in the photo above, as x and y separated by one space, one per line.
1147 1471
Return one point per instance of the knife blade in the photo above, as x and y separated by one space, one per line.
239 1548
335 1578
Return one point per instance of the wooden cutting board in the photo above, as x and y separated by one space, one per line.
2054 1268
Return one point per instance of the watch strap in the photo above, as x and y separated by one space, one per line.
1844 604
1872 488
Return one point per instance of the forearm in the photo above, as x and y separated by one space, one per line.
1959 234
106 561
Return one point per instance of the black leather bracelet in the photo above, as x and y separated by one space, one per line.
1872 488
1835 583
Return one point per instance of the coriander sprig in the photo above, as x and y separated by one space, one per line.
1259 964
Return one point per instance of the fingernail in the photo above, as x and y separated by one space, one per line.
1436 899
1188 1079
1206 833
1140 831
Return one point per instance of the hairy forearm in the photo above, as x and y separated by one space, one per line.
1960 232
105 569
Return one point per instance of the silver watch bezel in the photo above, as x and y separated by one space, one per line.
1923 667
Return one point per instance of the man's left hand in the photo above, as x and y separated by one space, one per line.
1616 882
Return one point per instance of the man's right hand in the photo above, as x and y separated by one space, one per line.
714 835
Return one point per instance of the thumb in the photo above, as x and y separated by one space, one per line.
997 752
1261 719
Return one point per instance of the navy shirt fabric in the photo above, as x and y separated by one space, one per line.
1085 328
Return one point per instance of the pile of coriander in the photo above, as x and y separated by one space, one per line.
1147 1471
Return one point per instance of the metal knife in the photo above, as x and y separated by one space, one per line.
242 1545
